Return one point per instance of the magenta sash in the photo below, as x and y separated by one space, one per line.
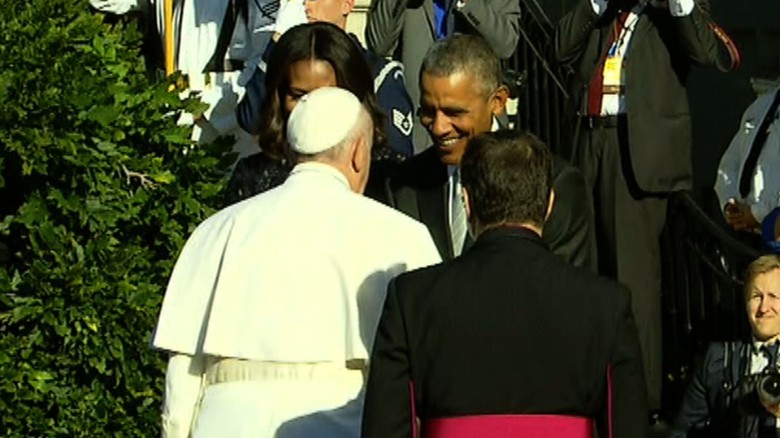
505 426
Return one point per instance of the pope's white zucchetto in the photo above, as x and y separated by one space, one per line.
322 119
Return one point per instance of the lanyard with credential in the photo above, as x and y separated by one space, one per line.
613 62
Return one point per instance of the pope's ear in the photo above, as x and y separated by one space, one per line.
359 154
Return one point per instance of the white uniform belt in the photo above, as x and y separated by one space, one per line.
239 370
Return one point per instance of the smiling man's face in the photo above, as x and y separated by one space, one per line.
454 109
763 306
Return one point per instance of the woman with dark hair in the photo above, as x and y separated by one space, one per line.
305 58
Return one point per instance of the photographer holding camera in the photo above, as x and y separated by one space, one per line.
736 391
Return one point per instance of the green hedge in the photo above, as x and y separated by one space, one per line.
99 190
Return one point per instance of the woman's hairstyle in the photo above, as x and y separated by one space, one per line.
315 41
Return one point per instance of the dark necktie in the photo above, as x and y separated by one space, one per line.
770 351
596 85
746 176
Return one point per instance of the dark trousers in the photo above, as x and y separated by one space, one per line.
628 226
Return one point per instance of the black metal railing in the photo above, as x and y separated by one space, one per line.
542 100
702 266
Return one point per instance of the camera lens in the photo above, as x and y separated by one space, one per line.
769 388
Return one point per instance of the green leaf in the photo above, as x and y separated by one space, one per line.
33 212
102 114
106 146
164 177
49 236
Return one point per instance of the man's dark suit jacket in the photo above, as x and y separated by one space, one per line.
507 328
663 49
419 188
719 401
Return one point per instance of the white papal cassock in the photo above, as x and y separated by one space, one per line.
291 282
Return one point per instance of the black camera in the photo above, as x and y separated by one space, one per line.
768 387
757 388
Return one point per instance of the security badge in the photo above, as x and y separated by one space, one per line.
403 121
613 69
613 64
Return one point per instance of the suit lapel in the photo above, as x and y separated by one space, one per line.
643 25
432 201
606 25
604 37
420 191
432 206
429 14
449 16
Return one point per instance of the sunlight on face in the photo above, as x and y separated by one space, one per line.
763 305
453 110
306 76
330 11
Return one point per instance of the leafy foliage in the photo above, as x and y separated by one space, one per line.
99 191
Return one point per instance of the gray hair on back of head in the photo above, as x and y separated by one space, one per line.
469 54
363 127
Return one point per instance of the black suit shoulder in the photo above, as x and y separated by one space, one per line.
423 171
570 230
540 267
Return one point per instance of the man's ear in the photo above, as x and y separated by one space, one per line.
498 100
347 6
358 154
466 202
550 204
471 220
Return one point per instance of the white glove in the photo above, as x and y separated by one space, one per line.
291 13
118 7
